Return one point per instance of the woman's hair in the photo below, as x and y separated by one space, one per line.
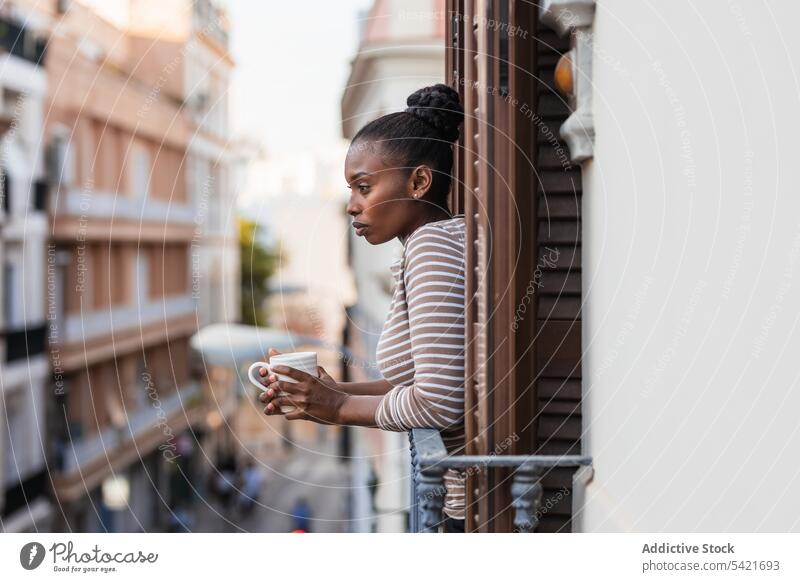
422 134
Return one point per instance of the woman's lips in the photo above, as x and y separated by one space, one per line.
360 228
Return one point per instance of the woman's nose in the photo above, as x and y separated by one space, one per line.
353 207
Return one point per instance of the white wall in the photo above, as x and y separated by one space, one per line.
391 79
691 241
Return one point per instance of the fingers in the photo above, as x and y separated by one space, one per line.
288 387
280 401
273 408
275 391
262 372
296 414
323 374
271 388
270 408
283 399
293 373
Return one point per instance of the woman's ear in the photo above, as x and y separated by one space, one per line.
420 181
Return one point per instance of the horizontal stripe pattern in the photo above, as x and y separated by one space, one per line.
421 348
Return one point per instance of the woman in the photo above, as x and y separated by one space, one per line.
399 169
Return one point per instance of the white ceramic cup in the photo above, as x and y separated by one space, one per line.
303 361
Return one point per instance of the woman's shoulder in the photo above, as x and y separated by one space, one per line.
443 236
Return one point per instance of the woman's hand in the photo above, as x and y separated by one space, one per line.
317 399
268 394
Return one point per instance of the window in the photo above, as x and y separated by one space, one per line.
5 190
8 293
141 173
120 274
66 169
59 291
78 405
13 102
101 275
142 276
143 383
13 289
17 440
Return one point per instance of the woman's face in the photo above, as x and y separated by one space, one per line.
382 199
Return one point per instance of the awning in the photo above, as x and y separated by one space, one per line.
233 344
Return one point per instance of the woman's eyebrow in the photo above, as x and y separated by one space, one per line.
358 175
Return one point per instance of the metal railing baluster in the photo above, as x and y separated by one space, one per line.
429 461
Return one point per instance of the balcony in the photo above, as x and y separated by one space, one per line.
20 42
111 205
429 461
100 323
81 463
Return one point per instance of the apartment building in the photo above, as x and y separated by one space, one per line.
24 369
183 50
124 223
184 47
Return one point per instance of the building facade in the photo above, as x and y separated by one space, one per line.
24 367
126 224
183 45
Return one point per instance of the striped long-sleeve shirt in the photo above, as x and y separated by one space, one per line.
421 347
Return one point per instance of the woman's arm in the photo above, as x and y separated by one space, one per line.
359 410
374 388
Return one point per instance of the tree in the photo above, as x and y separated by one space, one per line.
258 265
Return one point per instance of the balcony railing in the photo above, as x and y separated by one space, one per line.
429 461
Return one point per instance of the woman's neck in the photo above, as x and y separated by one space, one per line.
435 214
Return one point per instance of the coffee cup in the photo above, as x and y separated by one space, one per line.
303 361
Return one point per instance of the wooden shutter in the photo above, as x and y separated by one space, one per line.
558 344
523 347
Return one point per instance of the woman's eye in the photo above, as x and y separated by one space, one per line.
363 188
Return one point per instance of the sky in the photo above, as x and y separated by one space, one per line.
292 63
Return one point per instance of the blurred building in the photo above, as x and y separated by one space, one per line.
24 368
401 50
130 227
183 45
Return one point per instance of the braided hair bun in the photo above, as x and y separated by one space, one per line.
438 106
